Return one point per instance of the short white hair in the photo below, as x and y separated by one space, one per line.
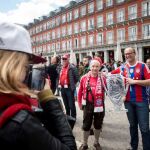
94 62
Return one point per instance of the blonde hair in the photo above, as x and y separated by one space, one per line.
12 68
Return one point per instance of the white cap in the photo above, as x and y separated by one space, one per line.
16 38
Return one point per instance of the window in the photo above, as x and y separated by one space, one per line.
53 34
48 36
100 38
146 9
91 40
44 26
69 16
109 18
146 31
99 4
83 41
83 26
53 46
53 23
132 33
76 28
120 1
132 12
91 23
109 3
49 47
83 11
58 33
91 8
58 46
69 29
64 18
121 15
110 37
64 45
69 45
76 43
63 31
121 35
76 13
100 21
57 21
48 25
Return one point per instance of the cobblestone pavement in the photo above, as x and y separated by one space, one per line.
115 133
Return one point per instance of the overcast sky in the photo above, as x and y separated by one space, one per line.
24 11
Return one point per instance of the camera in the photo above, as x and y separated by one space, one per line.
35 77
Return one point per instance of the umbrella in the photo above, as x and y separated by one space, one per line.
119 53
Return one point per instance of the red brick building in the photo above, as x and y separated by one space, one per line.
93 26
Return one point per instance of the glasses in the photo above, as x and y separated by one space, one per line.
128 53
64 58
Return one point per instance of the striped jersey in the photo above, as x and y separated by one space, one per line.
139 71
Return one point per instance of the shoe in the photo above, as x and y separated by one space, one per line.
83 147
98 146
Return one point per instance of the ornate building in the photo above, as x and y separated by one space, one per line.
93 26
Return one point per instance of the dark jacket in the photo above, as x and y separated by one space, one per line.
26 132
52 72
73 76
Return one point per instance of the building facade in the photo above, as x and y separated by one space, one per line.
93 26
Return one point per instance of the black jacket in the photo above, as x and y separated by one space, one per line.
25 131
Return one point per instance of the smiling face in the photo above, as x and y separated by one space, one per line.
94 66
130 55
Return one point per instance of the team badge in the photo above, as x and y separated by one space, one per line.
138 70
99 102
131 70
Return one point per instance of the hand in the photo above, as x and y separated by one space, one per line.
130 81
47 84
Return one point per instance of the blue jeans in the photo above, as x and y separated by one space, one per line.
138 113
69 101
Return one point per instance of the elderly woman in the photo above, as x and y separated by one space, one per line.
91 100
20 126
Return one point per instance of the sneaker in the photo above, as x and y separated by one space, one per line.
83 147
98 146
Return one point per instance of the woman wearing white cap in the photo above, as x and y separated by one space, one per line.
91 100
20 128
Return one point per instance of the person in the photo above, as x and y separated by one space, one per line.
86 63
91 100
148 62
22 125
137 76
67 82
52 72
148 87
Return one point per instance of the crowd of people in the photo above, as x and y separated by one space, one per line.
32 117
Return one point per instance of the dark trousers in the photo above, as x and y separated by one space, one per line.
138 113
69 101
90 117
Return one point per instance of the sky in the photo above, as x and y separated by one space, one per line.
24 11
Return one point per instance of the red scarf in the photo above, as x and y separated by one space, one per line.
98 95
10 104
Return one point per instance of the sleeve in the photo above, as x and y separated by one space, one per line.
116 71
76 74
80 92
37 137
146 72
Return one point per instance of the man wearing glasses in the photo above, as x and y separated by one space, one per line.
137 75
67 82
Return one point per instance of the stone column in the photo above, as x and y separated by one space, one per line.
105 56
140 54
